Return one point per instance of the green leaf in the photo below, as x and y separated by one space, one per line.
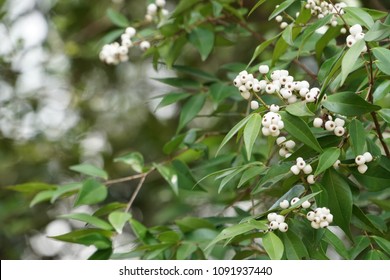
373 255
309 31
336 243
102 254
356 15
327 159
91 192
229 176
189 224
250 173
195 72
260 2
97 237
169 174
190 109
179 82
294 247
299 109
202 39
232 132
232 232
171 98
357 137
378 32
169 237
361 243
118 220
92 220
283 6
139 229
383 243
383 59
219 92
287 35
32 187
185 250
323 42
135 160
300 130
348 104
108 208
273 246
274 175
382 91
260 48
251 131
41 196
350 59
279 49
90 170
117 18
361 220
339 199
171 49
65 190
183 6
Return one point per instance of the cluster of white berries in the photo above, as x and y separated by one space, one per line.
361 161
322 8
320 217
285 203
336 125
285 145
279 82
272 122
356 35
277 222
283 24
306 168
154 9
115 53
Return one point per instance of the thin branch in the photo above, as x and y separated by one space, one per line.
371 100
139 186
124 179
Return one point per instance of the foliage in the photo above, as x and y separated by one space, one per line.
241 161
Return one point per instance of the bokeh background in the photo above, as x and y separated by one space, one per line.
60 106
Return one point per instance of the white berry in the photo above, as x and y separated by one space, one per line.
279 218
318 122
339 131
294 169
254 105
271 216
306 204
360 160
355 29
274 225
263 69
368 156
144 45
294 200
362 168
307 169
284 204
310 179
279 18
283 227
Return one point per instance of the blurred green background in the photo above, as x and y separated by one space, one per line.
59 106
